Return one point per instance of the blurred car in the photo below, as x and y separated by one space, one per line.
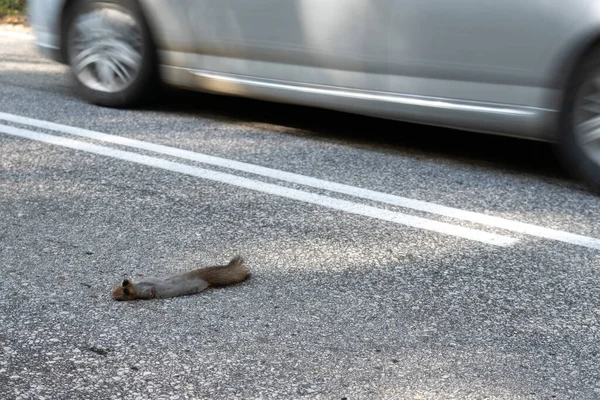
522 68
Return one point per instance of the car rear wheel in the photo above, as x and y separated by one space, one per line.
580 122
110 52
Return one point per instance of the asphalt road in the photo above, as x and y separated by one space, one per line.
379 270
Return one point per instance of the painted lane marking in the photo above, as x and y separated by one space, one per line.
433 208
281 191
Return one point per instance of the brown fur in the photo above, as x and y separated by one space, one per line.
125 292
182 284
234 272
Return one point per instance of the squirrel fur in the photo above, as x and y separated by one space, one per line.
186 283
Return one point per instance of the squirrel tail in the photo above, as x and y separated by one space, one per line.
234 272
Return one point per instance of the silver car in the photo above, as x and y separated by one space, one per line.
521 68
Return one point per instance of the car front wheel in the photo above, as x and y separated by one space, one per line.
580 122
110 52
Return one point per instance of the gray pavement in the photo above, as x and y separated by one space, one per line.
339 305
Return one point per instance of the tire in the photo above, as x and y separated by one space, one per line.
579 140
111 53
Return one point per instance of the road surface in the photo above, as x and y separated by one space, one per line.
388 260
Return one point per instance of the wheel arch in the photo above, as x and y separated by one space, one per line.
577 52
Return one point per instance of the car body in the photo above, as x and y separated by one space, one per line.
481 65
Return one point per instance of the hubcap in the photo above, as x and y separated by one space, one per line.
587 118
105 48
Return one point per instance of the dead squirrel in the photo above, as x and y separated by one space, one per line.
183 284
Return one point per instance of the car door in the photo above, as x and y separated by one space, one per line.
482 50
293 40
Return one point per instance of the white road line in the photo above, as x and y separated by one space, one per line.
456 213
17 35
307 197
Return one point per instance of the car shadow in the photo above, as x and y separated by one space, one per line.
506 153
